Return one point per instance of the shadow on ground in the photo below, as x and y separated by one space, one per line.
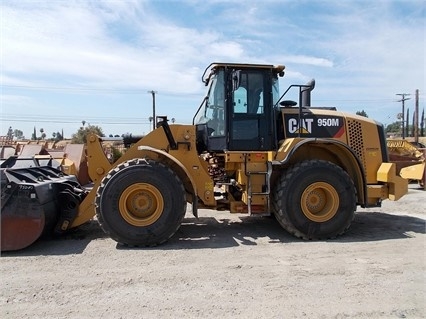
219 233
210 232
73 242
374 226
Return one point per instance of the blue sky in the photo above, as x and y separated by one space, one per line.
63 62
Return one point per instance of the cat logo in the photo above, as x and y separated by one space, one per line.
305 128
319 126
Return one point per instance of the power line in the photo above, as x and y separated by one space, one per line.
141 91
68 119
6 116
349 100
73 119
99 89
59 88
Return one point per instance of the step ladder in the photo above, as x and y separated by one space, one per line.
266 192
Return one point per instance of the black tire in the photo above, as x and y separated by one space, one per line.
315 200
140 203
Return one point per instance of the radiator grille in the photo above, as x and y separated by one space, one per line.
356 140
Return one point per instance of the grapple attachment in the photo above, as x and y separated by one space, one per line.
36 201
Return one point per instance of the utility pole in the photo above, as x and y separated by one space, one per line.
153 109
403 99
416 118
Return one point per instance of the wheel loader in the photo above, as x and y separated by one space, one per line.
249 150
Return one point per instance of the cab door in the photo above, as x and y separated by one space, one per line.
250 111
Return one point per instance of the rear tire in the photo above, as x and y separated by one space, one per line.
140 203
315 200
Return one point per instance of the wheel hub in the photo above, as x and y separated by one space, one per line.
141 204
320 202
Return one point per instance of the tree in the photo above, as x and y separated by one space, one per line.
116 153
43 135
80 136
407 129
394 127
18 134
34 135
58 136
361 113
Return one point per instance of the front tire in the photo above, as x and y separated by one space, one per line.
140 203
315 199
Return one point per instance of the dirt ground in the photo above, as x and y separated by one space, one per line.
228 266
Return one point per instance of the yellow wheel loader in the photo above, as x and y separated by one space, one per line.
248 149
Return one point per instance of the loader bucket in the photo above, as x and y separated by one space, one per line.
73 161
36 201
32 149
20 230
6 151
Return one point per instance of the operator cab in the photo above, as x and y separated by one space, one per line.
239 110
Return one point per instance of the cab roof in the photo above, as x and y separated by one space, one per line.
279 69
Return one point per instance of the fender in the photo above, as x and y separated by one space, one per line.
100 166
357 174
184 170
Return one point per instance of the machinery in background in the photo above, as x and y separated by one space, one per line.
410 160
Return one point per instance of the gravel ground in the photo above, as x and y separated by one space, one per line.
228 266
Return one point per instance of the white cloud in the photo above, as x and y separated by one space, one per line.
48 43
356 50
309 60
226 50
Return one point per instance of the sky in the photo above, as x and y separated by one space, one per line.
67 61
